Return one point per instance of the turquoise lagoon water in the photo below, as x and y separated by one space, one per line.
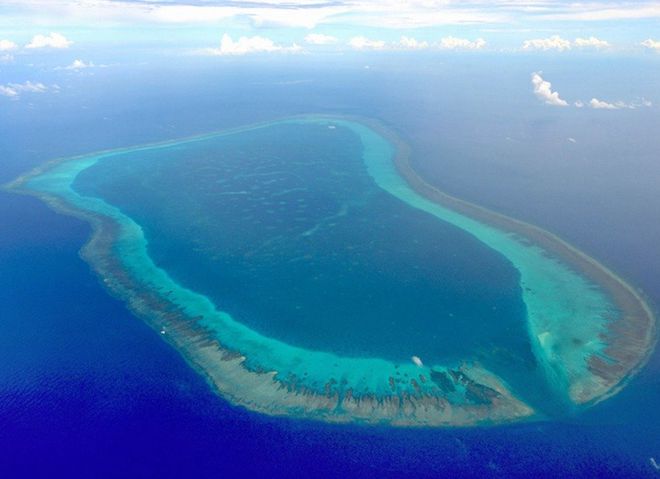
303 249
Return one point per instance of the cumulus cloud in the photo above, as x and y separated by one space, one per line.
597 104
591 42
543 91
412 43
7 45
454 43
320 39
247 45
555 42
651 44
363 43
13 90
6 90
560 44
54 40
78 65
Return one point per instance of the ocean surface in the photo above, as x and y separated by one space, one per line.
87 390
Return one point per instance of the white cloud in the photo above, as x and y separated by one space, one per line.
292 13
454 43
543 91
8 91
320 39
363 43
592 42
78 65
412 43
247 45
651 44
7 45
110 12
54 40
597 11
560 44
555 42
30 87
597 104
311 13
617 105
13 90
259 13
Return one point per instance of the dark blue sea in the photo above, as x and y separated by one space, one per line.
88 390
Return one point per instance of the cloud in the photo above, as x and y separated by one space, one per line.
8 91
543 91
296 13
454 43
597 104
598 11
555 42
363 43
311 13
320 39
560 44
404 43
7 45
247 45
291 13
77 65
592 42
54 40
412 43
651 44
13 90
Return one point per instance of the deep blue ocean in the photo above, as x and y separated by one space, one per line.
88 390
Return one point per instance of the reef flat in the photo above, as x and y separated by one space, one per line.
589 331
589 351
627 333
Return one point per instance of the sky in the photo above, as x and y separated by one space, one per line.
85 35
216 27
